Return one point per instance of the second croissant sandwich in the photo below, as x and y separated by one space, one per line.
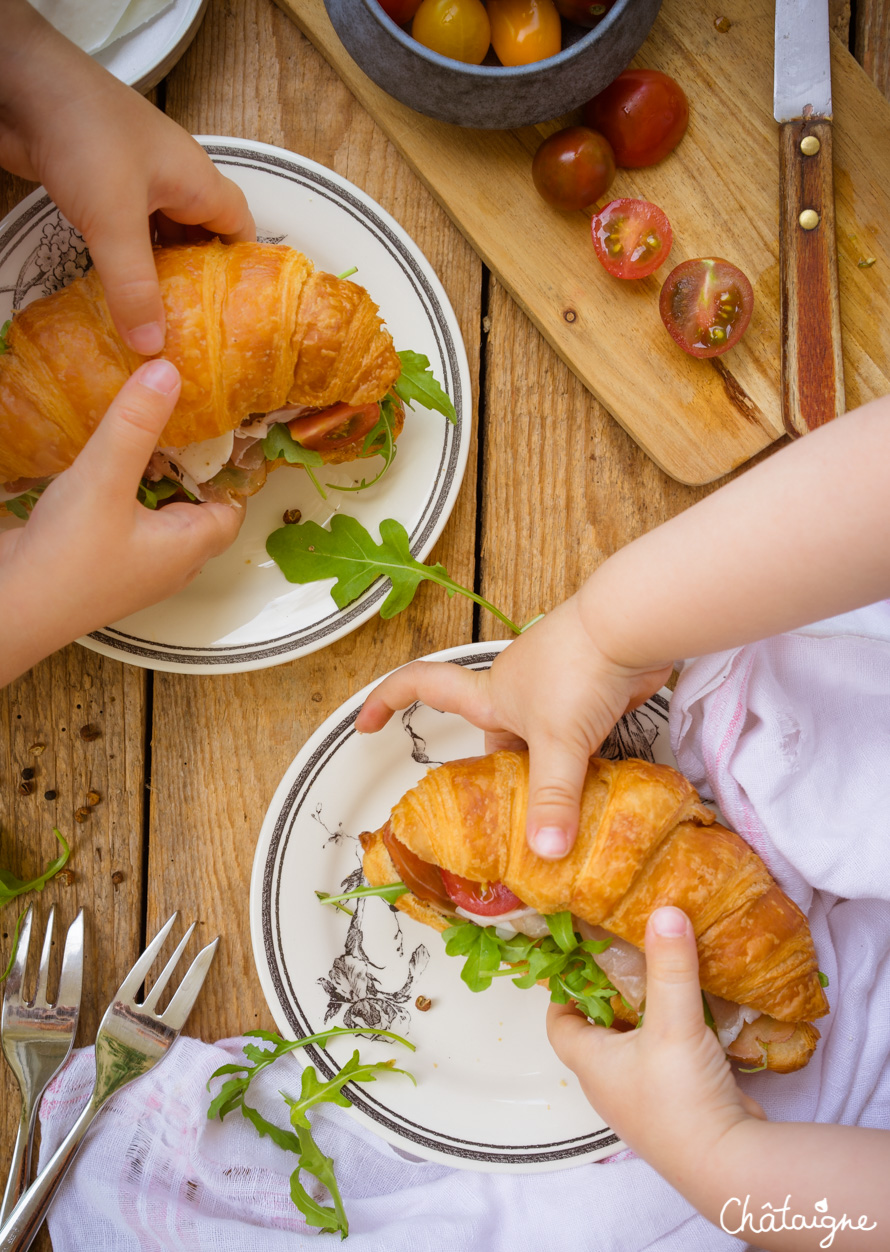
279 363
457 841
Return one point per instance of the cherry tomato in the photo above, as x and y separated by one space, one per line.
631 237
335 427
523 31
643 114
424 880
573 168
489 899
706 305
454 28
584 12
401 11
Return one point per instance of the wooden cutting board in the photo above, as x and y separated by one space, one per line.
696 419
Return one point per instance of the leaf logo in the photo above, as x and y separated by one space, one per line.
821 1206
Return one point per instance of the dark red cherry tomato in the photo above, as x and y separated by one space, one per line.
584 12
335 427
706 305
643 114
631 237
490 899
573 168
401 11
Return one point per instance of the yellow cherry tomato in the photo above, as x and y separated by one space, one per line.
454 28
523 31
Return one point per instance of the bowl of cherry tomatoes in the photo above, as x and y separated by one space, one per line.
497 64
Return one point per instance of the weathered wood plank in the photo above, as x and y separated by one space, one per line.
221 744
873 41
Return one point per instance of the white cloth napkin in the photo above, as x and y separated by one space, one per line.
792 738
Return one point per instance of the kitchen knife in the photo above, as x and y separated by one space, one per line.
812 359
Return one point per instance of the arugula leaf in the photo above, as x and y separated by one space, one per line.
22 505
280 442
150 494
313 1092
709 1016
307 553
15 945
755 1069
389 891
4 347
561 959
10 886
353 269
417 382
823 978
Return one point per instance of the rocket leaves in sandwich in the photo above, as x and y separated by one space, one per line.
151 494
307 553
417 382
280 443
3 329
22 505
823 978
562 959
379 441
313 1092
390 892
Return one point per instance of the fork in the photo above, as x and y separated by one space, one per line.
132 1039
37 1037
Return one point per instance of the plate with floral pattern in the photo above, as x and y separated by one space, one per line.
240 613
491 1094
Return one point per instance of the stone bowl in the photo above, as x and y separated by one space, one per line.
493 97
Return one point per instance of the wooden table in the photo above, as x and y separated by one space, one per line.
186 766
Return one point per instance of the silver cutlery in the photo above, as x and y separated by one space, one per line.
132 1039
37 1036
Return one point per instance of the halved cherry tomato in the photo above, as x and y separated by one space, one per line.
459 29
631 237
573 168
706 305
523 31
490 899
424 879
334 427
643 114
584 12
401 11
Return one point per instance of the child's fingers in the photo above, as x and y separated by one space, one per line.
201 196
450 688
195 532
115 457
120 246
674 1009
557 770
572 1037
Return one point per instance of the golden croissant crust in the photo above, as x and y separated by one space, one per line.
251 327
645 840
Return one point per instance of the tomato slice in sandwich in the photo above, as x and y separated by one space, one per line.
487 899
335 427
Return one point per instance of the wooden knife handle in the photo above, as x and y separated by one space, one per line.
812 357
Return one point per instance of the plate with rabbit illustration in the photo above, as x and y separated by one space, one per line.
490 1092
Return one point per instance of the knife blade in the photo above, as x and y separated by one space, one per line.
812 357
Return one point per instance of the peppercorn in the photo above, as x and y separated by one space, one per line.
26 787
424 1003
290 517
81 815
90 732
49 795
117 878
93 798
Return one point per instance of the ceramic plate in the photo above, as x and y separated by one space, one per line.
240 613
490 1093
143 58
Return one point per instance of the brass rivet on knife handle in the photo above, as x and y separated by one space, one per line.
812 358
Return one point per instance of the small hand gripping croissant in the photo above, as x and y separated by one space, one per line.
251 327
645 840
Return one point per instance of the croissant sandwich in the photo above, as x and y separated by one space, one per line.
457 842
280 364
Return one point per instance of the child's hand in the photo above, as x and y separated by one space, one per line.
90 553
666 1088
553 689
110 160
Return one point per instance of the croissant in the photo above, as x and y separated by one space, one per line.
251 328
645 839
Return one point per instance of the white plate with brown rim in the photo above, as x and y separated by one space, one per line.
491 1094
240 613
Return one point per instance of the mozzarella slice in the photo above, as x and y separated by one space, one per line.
517 922
200 461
